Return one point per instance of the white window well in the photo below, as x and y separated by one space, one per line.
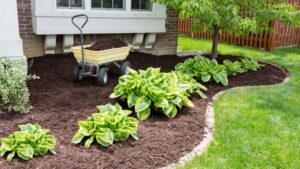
70 4
141 5
108 4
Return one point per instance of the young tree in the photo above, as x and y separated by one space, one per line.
234 16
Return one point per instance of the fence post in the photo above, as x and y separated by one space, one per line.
272 36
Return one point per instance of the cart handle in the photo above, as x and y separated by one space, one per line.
85 22
81 37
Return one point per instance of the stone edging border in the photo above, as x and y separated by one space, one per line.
210 125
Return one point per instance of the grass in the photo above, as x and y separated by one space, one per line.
255 127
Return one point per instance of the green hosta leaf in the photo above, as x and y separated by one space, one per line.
201 94
123 134
85 125
177 101
10 156
29 127
2 151
25 152
107 108
142 104
206 77
134 135
114 95
89 142
188 102
131 100
21 137
143 115
170 111
224 81
131 122
162 102
7 143
118 109
52 151
105 137
126 112
77 137
132 72
41 150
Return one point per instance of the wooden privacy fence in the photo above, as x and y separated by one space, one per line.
281 36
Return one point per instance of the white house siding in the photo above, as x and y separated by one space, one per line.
49 20
32 22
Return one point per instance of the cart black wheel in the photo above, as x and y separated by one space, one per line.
124 68
77 74
103 76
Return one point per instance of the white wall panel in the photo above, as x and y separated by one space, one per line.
47 19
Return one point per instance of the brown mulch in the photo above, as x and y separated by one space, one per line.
107 44
59 104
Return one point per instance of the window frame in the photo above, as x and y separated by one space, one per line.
140 7
70 7
112 8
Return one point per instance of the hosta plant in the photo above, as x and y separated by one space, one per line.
249 64
204 69
151 89
233 68
30 141
109 125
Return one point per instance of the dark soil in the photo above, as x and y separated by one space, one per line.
59 104
107 44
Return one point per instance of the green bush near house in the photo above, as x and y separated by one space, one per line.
14 94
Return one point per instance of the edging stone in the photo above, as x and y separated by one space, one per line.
208 136
189 53
210 124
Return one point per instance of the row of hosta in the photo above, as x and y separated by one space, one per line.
245 65
145 90
206 70
30 141
109 125
151 89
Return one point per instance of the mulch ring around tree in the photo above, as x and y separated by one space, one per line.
58 104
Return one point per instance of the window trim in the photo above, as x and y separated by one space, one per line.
70 7
140 7
110 9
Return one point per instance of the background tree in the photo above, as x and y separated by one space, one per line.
234 16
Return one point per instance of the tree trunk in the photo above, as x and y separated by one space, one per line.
214 51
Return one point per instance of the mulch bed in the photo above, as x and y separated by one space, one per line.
59 104
107 44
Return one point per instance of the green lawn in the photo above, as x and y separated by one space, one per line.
256 127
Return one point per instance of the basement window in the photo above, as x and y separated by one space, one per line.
70 4
108 4
141 5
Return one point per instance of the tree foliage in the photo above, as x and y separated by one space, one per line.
235 16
